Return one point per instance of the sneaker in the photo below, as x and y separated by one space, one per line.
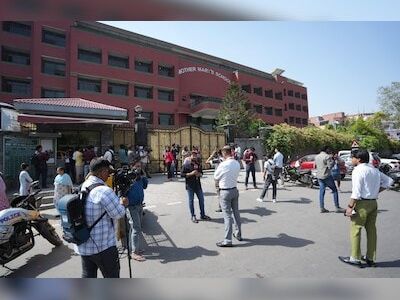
218 210
255 187
205 218
238 237
222 244
323 210
246 188
259 200
370 263
194 219
274 200
351 261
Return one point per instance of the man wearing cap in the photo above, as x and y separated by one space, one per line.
100 251
367 182
227 174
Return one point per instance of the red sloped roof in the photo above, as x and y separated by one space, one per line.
70 102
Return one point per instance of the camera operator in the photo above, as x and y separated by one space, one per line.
100 251
135 209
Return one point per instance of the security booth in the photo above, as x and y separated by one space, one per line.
60 124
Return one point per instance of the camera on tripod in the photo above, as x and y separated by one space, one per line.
124 178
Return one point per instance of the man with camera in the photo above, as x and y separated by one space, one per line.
100 251
367 183
192 172
135 208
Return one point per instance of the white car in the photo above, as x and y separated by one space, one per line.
393 163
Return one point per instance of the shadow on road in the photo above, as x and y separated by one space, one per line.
41 263
282 240
259 211
301 200
389 264
243 220
160 246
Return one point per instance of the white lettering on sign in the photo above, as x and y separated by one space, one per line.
204 70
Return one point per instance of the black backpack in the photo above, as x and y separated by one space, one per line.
72 214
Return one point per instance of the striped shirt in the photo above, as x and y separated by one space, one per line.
99 200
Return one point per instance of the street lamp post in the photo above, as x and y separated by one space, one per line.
140 127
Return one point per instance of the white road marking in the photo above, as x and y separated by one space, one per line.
149 206
174 203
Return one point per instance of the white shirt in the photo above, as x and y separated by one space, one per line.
238 151
227 173
25 183
108 155
269 166
367 181
278 159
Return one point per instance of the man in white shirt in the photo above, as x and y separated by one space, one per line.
109 154
25 180
278 160
367 182
269 178
227 174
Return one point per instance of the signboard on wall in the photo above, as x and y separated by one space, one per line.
204 70
9 120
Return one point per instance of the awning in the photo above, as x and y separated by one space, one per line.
42 119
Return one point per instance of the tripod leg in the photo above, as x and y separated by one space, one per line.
128 245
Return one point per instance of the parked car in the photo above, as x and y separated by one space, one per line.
307 162
393 163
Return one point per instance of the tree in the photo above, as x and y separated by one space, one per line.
236 109
389 100
254 126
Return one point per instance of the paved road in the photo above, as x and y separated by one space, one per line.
285 239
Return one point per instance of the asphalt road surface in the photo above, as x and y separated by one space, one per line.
290 238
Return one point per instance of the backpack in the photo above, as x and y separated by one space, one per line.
72 215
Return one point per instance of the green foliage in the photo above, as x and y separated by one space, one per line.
389 100
235 109
254 126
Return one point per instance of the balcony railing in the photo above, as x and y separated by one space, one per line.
197 101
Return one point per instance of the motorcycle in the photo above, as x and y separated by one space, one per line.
392 173
16 223
303 176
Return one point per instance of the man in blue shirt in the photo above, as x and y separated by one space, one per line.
135 209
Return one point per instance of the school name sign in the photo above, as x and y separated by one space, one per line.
204 70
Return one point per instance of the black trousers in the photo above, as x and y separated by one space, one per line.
250 168
270 180
107 261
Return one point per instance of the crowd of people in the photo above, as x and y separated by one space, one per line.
100 252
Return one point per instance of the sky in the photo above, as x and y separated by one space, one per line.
342 64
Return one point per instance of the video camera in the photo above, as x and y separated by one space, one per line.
124 178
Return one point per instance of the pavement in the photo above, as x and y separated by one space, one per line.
290 238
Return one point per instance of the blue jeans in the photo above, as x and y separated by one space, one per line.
330 183
200 196
251 168
134 214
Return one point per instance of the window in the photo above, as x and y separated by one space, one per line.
278 96
298 120
164 95
297 95
286 121
120 89
291 106
166 71
148 116
119 62
89 85
305 122
53 67
166 119
305 108
290 93
268 111
16 86
291 120
298 107
246 88
258 91
258 109
17 28
142 66
15 56
269 93
53 38
89 56
304 96
284 92
49 93
144 92
285 107
278 112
